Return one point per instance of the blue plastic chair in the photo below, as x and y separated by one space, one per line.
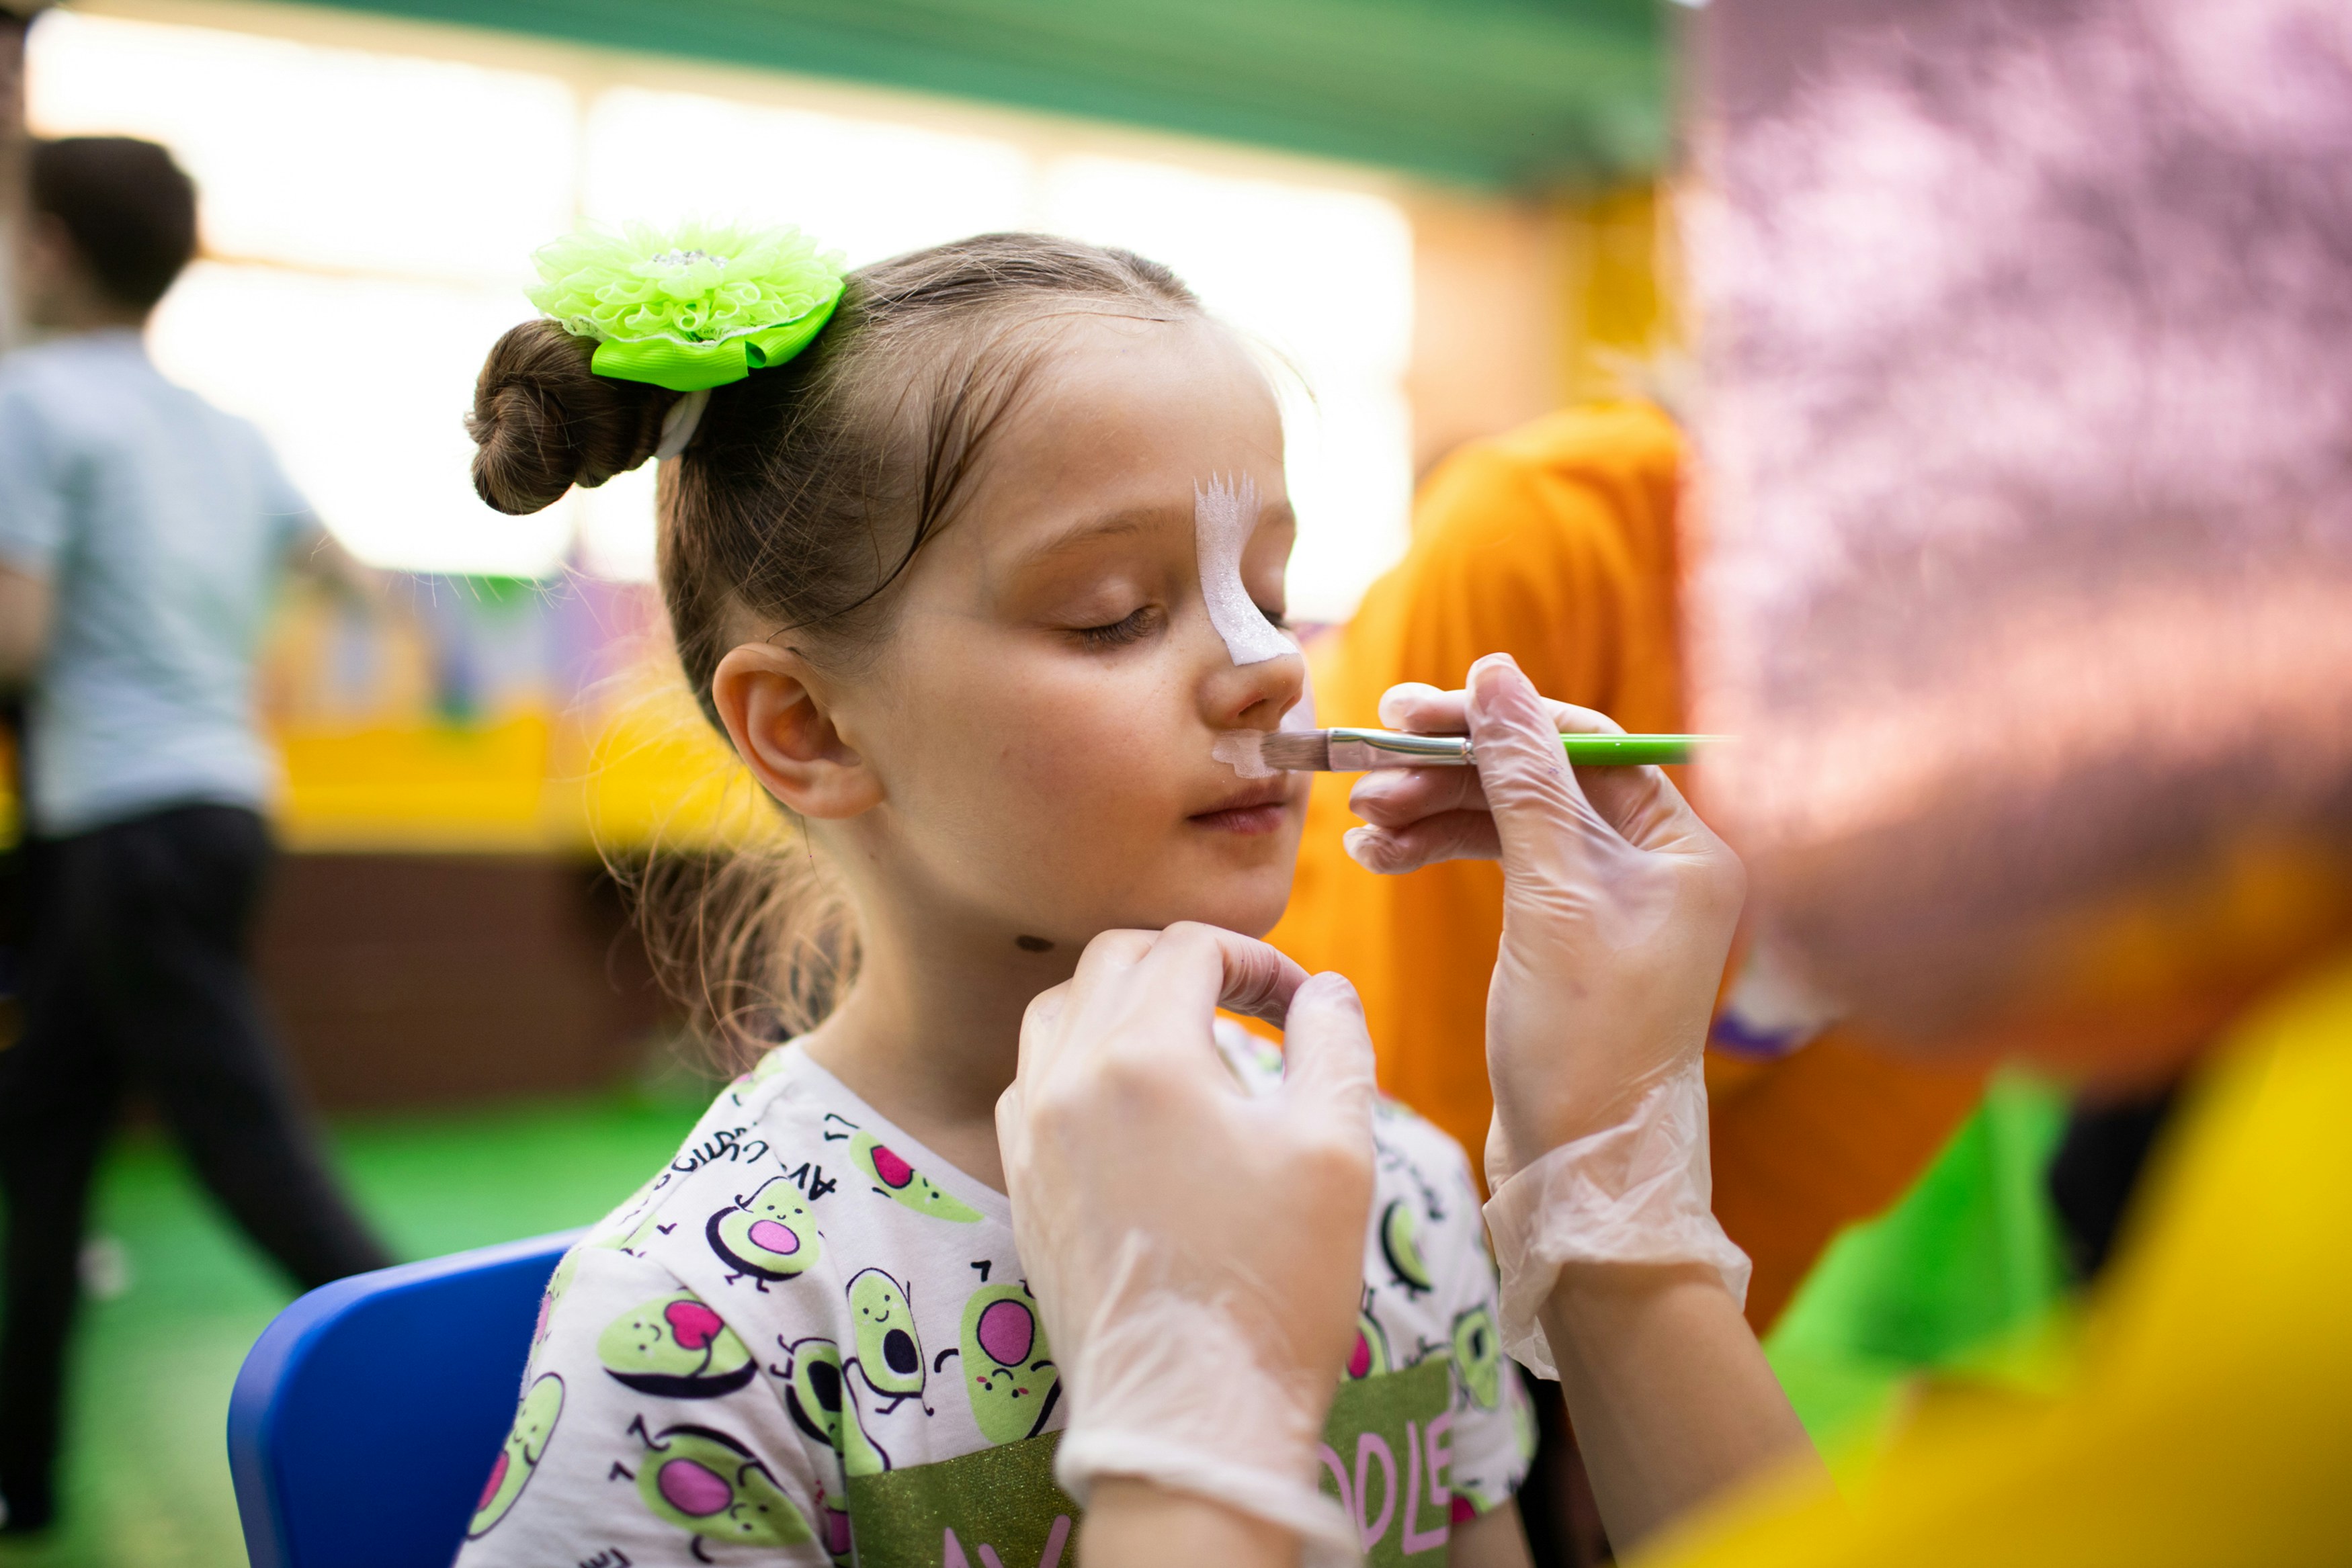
367 1416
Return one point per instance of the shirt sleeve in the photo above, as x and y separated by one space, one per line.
648 1431
281 502
33 492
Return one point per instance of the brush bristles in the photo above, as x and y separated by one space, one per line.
1297 751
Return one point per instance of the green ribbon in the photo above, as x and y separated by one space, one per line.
697 367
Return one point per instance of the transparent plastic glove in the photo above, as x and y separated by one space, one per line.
1196 1252
1618 910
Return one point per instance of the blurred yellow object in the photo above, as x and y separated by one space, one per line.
643 777
376 762
2208 1416
658 777
416 786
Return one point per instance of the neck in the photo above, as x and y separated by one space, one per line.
72 318
930 1033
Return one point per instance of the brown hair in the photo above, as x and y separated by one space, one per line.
129 209
803 495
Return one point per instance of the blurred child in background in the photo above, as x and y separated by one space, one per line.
143 535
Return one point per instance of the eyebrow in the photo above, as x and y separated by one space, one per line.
1079 535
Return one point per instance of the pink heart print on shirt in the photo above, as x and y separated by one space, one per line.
775 1237
491 1486
894 1170
693 1324
1006 1330
694 1489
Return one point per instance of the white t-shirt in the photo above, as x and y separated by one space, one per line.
810 1331
162 527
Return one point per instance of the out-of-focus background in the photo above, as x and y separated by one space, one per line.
1447 219
372 188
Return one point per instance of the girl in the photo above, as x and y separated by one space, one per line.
958 581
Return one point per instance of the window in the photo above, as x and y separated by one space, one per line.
368 218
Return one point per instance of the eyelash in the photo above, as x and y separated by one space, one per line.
1138 626
1118 634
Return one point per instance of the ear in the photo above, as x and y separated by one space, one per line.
776 716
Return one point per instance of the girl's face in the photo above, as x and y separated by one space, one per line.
1038 721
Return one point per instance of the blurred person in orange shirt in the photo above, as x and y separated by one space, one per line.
1563 543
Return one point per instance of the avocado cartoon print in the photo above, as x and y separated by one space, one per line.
710 1389
889 1357
526 1443
860 1454
770 1234
1371 1358
710 1485
677 1347
1007 1367
894 1177
1478 1356
812 1379
1400 1227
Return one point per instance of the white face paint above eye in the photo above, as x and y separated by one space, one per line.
1224 516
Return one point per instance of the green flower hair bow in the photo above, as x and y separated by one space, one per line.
695 308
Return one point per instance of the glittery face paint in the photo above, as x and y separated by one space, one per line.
1223 514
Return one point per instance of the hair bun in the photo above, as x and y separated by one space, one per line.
543 421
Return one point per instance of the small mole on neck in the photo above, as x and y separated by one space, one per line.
1032 944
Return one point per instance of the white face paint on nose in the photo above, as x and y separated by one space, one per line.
1223 515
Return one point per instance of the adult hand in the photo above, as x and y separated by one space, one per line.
1618 904
1618 908
1196 1252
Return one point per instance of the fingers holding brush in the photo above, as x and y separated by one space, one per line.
1405 806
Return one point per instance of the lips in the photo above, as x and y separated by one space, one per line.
1258 808
1272 792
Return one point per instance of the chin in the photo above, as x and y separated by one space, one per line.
1250 903
1251 910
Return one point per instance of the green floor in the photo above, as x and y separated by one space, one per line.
146 1481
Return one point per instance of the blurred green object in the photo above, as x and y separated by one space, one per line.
1495 93
146 1481
1965 1275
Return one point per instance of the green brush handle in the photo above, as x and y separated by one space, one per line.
1632 750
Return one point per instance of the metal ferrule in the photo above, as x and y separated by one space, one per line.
1362 751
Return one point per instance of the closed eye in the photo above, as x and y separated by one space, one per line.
1119 634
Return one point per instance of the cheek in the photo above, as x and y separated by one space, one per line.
1097 784
1053 791
1052 754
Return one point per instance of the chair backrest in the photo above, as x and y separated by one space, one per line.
367 1414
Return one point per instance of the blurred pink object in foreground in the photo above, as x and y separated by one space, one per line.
2029 439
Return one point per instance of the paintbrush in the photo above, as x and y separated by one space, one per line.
1361 751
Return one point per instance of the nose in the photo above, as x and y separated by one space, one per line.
1252 696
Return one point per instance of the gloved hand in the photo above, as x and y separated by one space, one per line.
1618 910
1202 1324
